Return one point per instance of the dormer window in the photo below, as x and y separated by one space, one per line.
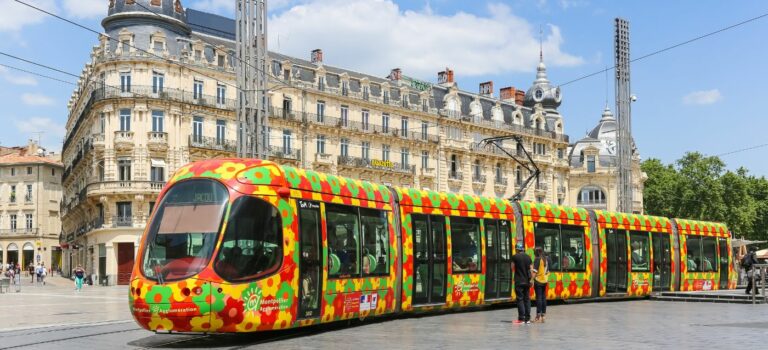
198 55
386 96
220 60
321 83
591 164
539 94
344 88
158 45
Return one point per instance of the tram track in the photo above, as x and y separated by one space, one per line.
18 338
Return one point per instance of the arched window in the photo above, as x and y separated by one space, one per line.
591 195
498 172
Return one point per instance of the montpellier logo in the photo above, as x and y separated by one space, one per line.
252 299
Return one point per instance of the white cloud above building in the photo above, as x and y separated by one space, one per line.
703 97
15 16
30 99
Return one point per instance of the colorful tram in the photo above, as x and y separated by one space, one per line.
244 245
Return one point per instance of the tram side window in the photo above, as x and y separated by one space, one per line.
639 243
548 237
465 244
252 245
693 244
572 238
375 241
708 254
343 229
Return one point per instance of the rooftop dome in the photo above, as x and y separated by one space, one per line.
542 91
170 9
602 137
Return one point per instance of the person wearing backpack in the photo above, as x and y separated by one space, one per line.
540 282
746 262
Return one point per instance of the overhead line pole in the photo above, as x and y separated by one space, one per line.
624 135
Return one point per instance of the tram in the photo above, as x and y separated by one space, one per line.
245 245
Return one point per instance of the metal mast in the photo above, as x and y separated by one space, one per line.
624 135
251 37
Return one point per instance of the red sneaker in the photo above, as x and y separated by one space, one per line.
518 322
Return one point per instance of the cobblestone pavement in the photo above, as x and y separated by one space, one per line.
54 316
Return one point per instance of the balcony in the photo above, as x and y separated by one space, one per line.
18 232
157 141
178 95
592 204
123 140
284 153
28 198
500 184
212 143
122 221
98 142
376 164
561 191
285 114
427 172
542 188
478 181
323 159
97 189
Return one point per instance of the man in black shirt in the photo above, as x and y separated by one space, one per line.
522 265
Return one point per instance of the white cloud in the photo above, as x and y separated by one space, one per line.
227 7
52 132
14 15
36 100
374 36
566 4
27 80
85 8
704 97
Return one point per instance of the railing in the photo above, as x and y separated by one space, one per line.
286 114
455 175
478 178
122 221
114 187
385 165
157 137
140 91
759 272
19 231
124 137
28 198
285 153
501 181
212 143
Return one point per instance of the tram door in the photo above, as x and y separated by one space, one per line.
429 259
310 263
498 268
661 261
616 245
723 245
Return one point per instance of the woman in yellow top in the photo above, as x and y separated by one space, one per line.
540 282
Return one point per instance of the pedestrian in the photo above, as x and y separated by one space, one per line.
79 276
38 272
540 282
746 262
31 272
521 263
43 273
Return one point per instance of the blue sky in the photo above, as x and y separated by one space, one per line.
704 96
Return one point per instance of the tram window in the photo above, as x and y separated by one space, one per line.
572 238
375 241
252 244
693 244
639 243
708 254
465 246
548 237
343 229
504 240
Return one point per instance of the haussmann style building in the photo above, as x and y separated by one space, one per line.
163 93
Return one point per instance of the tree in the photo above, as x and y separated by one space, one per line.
661 181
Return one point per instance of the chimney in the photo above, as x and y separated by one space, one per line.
519 97
445 77
395 74
486 88
507 94
317 56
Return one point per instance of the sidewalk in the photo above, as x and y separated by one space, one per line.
57 303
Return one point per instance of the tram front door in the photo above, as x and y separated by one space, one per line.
616 246
429 259
310 266
498 268
661 261
723 245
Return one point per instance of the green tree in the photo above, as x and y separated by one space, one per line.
661 182
698 191
739 207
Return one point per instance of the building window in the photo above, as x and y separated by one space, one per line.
221 60
498 173
519 176
157 121
287 141
404 155
197 129
424 159
124 169
29 170
124 214
12 198
590 164
476 170
158 80
365 117
197 89
28 195
344 116
13 171
221 94
344 88
454 166
344 148
198 55
320 111
321 83
102 123
126 46
221 129
157 173
404 100
424 105
13 222
591 195
404 127
158 45
53 171
366 92
386 96
560 153
466 247
424 127
125 82
287 107
320 144
385 152
366 150
125 119
385 123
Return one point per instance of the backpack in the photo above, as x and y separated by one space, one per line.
746 262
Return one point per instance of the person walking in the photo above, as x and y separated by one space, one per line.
43 273
521 263
31 272
540 281
746 262
79 277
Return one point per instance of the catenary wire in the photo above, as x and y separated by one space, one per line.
37 74
742 150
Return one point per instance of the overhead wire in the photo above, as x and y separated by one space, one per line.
37 74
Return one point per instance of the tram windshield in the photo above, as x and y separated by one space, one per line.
183 232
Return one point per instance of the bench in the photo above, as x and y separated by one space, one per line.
5 283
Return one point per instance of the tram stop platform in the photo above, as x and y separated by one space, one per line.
730 296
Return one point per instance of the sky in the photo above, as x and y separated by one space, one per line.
703 96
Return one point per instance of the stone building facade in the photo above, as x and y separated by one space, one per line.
30 193
163 94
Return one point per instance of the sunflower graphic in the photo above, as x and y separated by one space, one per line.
252 298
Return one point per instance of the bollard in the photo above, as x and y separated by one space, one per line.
17 277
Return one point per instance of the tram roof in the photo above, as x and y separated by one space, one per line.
703 228
554 211
637 222
452 201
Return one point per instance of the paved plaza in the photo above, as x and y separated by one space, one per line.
54 316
